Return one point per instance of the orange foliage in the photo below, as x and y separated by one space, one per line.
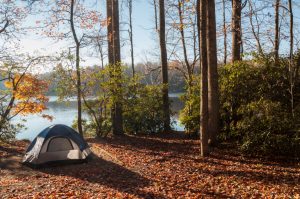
29 93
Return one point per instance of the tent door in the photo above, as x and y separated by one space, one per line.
59 144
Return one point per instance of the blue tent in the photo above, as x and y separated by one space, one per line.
56 143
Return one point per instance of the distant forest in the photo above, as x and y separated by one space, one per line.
151 74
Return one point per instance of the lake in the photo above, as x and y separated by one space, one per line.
65 113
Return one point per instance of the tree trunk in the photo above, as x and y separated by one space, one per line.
79 122
201 12
164 65
114 58
256 35
131 36
236 30
78 76
276 40
213 90
109 12
155 15
291 65
224 31
182 35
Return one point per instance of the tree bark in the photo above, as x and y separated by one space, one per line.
256 35
291 68
164 65
114 58
182 35
236 30
224 31
131 36
213 90
201 12
78 76
277 34
109 12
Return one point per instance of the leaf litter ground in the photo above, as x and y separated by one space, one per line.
166 166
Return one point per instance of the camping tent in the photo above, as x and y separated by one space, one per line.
56 143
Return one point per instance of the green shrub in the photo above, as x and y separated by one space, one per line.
189 116
238 85
143 109
8 130
141 103
266 128
254 107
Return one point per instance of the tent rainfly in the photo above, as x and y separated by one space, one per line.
56 143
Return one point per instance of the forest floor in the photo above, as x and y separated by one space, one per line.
166 166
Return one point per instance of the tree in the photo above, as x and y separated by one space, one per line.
256 33
277 32
77 59
114 59
24 94
291 67
164 64
202 25
130 31
213 93
236 30
73 21
224 31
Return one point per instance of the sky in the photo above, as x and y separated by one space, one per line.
145 38
142 29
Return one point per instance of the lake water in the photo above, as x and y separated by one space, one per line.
65 113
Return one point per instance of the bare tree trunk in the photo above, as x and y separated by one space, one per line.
78 76
256 35
109 13
276 40
101 53
164 65
114 56
180 8
201 12
213 94
291 68
155 15
224 31
236 30
182 35
131 36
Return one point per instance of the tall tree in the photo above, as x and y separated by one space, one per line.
130 31
77 60
256 34
114 59
277 32
224 30
291 68
164 64
213 94
202 24
67 20
182 37
236 30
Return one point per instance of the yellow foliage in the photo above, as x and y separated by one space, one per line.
29 93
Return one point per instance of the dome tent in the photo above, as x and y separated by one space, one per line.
56 143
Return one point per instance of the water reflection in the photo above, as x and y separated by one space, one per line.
66 112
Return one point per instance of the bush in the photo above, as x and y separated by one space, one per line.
255 107
143 109
141 104
239 84
189 116
9 130
266 128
